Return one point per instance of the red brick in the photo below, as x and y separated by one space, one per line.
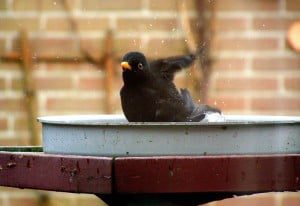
230 24
124 45
3 6
116 105
91 83
276 63
8 142
20 138
146 24
2 44
261 199
95 46
118 82
166 47
228 103
25 5
60 47
271 24
12 66
242 5
64 47
47 5
21 123
75 104
228 64
53 5
83 24
246 84
69 67
246 44
291 199
170 5
12 104
111 5
17 23
53 83
293 5
278 103
292 83
3 123
17 84
2 83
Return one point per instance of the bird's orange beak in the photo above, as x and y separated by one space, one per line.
125 66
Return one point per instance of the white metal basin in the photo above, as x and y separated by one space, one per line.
112 135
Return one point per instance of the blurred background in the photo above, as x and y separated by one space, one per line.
62 57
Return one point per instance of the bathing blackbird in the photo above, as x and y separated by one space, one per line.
149 94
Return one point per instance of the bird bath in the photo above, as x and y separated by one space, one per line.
112 135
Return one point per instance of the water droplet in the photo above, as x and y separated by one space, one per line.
150 25
162 41
54 3
186 40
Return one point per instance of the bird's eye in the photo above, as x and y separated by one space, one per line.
140 66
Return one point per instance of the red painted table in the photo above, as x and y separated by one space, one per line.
193 179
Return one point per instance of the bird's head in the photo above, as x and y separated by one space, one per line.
134 62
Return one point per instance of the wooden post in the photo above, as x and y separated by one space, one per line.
206 38
193 76
29 88
109 71
206 30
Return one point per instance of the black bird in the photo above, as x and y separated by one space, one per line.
149 94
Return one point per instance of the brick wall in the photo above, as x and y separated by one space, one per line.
254 69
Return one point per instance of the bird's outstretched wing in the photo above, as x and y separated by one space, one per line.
169 66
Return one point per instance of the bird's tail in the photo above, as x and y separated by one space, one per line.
197 112
187 99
